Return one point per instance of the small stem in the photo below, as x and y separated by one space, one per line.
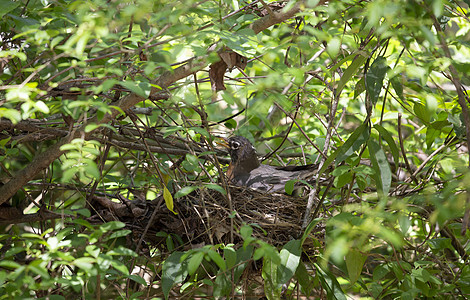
402 147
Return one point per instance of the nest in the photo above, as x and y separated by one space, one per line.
208 217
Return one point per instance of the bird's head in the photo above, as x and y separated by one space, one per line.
243 155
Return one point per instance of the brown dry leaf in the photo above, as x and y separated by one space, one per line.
229 60
216 75
220 231
233 59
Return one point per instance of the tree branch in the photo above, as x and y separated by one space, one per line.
36 217
454 77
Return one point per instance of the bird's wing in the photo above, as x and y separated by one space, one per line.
270 178
310 167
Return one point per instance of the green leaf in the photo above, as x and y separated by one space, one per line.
140 88
93 250
113 225
11 114
216 187
41 106
363 181
391 236
185 191
438 7
137 279
174 271
12 251
272 287
191 163
354 262
357 62
120 250
91 126
383 174
38 269
360 88
309 229
244 254
4 141
440 243
246 231
390 141
239 42
8 6
108 84
340 170
266 250
290 258
168 200
431 136
84 212
230 124
171 130
380 272
404 223
343 179
170 245
376 289
91 169
353 143
422 113
329 283
120 266
305 279
118 234
195 262
28 235
289 187
201 131
85 263
333 46
223 285
375 77
397 86
230 256
116 108
9 264
215 257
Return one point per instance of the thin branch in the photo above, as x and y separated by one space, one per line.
301 130
36 217
402 147
455 78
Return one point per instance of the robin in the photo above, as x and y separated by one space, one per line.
246 170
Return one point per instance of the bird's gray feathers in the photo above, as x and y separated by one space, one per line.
268 178
247 171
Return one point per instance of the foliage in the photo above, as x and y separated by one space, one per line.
113 100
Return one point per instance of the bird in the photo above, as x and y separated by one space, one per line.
246 170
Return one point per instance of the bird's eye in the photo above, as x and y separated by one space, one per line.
235 145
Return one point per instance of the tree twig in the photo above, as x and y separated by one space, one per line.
402 147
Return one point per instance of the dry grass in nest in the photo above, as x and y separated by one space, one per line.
205 217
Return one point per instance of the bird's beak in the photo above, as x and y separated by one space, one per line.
223 142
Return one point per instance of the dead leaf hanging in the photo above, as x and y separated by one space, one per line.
229 60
